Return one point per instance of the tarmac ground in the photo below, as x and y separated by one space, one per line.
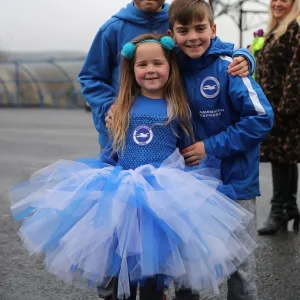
33 138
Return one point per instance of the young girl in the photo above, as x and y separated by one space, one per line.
137 213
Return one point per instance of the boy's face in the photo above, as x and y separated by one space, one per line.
193 39
149 5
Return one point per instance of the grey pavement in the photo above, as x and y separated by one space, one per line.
31 139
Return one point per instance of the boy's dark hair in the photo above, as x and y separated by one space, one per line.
185 11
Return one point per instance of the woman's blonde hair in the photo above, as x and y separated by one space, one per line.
293 15
174 93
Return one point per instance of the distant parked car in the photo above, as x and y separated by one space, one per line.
87 107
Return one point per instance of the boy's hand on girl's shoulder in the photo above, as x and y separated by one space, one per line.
194 153
110 116
239 67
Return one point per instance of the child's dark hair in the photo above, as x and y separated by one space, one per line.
186 11
178 107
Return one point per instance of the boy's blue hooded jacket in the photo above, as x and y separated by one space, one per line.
100 72
230 114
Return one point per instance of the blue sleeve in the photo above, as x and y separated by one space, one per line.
256 119
184 140
246 54
108 156
95 79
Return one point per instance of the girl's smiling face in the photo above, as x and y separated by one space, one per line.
151 69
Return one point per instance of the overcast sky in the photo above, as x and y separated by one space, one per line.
38 25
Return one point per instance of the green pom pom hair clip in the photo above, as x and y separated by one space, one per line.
166 42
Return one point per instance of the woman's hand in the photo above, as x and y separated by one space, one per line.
193 154
110 116
239 67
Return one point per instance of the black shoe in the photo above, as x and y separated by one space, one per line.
290 201
276 222
277 219
296 223
105 294
293 216
106 290
273 225
186 294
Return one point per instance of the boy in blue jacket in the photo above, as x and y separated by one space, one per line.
99 74
231 116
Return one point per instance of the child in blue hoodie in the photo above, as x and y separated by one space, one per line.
99 74
231 116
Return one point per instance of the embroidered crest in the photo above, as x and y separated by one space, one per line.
210 87
143 135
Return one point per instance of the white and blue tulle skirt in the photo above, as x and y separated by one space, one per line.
92 220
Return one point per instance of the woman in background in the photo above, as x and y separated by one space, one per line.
278 73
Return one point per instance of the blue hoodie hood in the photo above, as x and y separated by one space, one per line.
216 48
99 75
136 16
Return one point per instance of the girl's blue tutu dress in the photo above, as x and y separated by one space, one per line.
146 215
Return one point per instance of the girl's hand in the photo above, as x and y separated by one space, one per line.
239 66
193 154
110 116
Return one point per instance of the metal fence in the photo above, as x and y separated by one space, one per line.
43 83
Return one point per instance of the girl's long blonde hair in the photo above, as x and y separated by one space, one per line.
293 15
175 95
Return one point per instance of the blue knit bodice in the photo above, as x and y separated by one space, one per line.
148 140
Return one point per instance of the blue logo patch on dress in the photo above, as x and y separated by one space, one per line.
210 87
143 135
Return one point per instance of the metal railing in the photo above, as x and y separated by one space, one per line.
43 83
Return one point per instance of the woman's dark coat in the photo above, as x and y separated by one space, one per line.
278 73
